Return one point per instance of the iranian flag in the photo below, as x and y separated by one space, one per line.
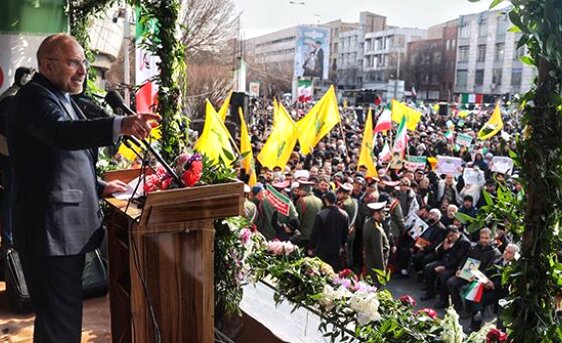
385 154
401 141
145 69
278 200
474 291
305 90
23 26
384 123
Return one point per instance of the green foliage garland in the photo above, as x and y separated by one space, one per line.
536 278
163 42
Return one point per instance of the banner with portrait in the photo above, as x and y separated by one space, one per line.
312 52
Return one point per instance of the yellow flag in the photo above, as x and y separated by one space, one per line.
127 153
224 107
280 143
366 154
493 126
319 121
246 147
412 116
215 138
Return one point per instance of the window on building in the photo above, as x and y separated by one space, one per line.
516 77
434 79
519 52
500 49
501 29
448 44
497 77
463 53
336 48
462 76
479 79
453 43
483 27
465 29
481 53
437 57
413 58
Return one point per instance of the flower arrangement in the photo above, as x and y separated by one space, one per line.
496 336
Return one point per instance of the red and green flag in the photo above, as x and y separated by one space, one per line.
279 200
401 141
384 123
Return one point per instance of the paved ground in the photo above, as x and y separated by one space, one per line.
19 329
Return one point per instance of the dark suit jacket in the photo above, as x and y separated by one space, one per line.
56 193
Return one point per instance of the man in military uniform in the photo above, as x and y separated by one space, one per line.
375 242
250 209
308 205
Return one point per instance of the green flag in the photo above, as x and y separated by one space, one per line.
23 26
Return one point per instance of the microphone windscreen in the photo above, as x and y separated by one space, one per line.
114 99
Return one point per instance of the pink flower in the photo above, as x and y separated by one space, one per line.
245 235
429 312
496 336
408 300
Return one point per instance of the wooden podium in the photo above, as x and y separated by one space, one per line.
161 261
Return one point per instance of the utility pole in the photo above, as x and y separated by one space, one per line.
126 58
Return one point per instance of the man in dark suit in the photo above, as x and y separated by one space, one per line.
56 213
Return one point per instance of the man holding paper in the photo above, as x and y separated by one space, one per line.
485 253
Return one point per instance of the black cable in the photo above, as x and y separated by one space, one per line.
136 259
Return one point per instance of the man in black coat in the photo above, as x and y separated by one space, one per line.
450 253
56 213
486 253
329 232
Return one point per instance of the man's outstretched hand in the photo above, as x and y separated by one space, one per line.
138 125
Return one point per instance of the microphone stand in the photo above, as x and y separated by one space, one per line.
158 157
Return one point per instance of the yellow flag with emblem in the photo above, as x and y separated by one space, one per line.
215 138
281 142
493 126
412 116
246 148
224 108
130 154
366 153
320 120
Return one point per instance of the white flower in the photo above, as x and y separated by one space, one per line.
366 305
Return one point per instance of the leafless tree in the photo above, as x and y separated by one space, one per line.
207 24
209 76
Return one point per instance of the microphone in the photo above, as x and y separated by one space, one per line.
115 100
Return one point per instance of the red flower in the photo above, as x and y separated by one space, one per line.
429 312
161 171
408 300
190 178
152 183
166 183
496 336
345 273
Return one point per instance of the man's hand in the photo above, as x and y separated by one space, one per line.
114 186
439 269
138 126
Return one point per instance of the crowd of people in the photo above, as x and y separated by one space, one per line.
402 221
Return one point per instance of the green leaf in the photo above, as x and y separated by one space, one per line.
494 3
514 29
464 218
527 60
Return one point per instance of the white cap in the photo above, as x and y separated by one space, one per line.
376 206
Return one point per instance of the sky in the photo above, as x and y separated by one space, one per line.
260 17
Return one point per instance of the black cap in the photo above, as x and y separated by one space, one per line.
330 197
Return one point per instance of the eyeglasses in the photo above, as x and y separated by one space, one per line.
73 63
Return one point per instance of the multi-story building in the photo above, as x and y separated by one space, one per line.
385 54
430 66
337 27
351 47
488 58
